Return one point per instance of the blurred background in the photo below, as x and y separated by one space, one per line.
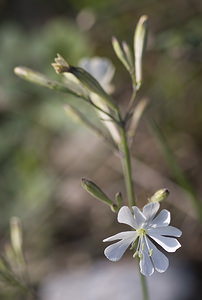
44 155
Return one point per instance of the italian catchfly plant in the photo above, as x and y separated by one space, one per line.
90 81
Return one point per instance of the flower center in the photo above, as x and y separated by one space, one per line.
141 231
142 244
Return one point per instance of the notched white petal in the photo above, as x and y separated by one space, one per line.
166 230
122 235
167 243
146 266
139 217
159 260
163 219
115 252
150 210
125 216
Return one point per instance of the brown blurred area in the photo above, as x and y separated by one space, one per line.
44 155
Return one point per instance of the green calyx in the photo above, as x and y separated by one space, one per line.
159 196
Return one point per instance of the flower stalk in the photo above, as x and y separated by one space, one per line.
144 287
126 165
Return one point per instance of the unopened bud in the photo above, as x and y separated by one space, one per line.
16 235
95 191
159 195
128 54
121 53
61 66
119 199
139 45
114 208
40 79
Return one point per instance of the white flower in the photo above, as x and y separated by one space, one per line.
146 227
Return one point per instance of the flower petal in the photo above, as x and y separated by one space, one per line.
163 219
115 252
139 217
122 235
159 260
166 230
125 216
167 243
146 266
150 210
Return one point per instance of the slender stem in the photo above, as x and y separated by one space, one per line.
144 287
131 102
106 113
126 164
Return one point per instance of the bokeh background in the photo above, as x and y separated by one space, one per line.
44 155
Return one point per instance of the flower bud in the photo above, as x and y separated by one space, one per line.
135 118
128 54
16 235
121 53
95 191
114 208
139 45
61 66
40 79
159 195
119 199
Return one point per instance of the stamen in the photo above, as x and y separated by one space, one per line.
135 254
140 256
138 245
149 250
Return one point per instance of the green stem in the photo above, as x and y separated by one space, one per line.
131 102
144 287
103 111
126 165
